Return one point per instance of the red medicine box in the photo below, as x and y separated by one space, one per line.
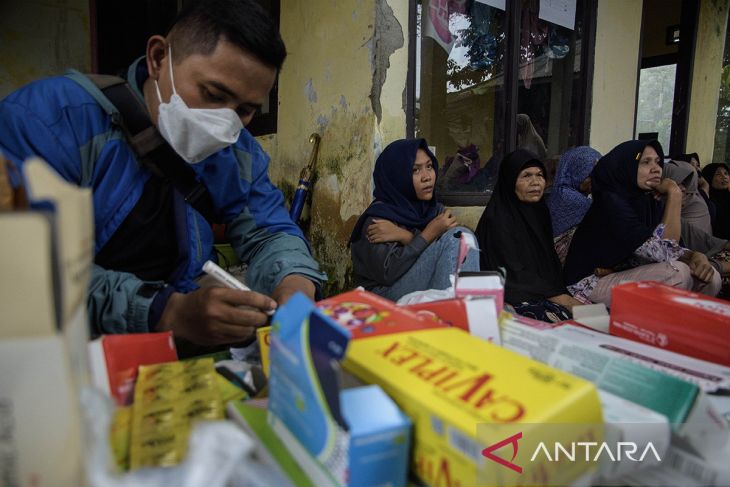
673 319
366 315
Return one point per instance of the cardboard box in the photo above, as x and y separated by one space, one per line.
672 319
681 468
114 360
684 404
455 387
355 437
476 316
366 314
708 376
629 422
484 283
40 421
45 255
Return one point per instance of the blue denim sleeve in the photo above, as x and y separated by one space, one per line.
264 235
120 302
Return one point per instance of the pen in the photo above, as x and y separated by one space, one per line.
223 277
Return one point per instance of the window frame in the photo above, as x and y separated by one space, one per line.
513 14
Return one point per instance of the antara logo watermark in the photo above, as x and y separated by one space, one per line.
512 440
582 450
603 451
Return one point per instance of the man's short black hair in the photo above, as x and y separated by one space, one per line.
244 23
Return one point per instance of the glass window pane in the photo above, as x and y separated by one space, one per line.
656 98
459 90
722 129
550 85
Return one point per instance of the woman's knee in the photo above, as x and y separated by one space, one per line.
679 275
456 232
450 241
471 262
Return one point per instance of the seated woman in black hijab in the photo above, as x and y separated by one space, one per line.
632 229
718 175
403 242
515 232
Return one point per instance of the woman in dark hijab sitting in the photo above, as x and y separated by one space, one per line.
515 233
404 241
718 175
629 234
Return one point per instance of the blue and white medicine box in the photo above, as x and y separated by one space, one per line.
356 437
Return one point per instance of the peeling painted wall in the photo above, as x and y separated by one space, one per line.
344 78
706 77
42 38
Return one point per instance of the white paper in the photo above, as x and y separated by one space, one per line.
560 12
593 316
483 323
493 3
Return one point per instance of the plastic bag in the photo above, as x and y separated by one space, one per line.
217 451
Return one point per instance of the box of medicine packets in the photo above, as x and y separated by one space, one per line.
352 437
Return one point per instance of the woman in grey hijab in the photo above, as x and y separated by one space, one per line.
696 223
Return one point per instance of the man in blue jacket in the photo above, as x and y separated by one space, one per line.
201 84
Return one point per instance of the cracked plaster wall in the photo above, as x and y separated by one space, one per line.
55 31
344 78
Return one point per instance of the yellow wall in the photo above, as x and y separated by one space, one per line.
42 38
615 72
706 76
337 51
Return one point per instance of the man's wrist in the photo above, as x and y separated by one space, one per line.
166 318
158 306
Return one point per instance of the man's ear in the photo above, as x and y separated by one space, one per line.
156 53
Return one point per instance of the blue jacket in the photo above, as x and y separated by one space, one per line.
59 120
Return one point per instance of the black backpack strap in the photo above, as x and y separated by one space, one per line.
153 151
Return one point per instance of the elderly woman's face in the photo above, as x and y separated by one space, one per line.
530 185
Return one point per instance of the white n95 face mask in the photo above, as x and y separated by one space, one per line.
195 133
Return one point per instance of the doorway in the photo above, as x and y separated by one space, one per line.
667 48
